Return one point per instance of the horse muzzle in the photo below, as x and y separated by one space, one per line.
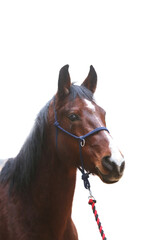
113 168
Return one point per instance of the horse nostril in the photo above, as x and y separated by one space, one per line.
107 163
122 167
113 166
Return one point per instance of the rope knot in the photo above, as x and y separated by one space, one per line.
56 123
85 177
81 138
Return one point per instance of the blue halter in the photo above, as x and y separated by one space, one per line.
81 139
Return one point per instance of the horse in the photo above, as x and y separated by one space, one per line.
37 186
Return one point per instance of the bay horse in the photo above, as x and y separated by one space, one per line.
37 186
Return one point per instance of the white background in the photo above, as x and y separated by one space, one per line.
121 39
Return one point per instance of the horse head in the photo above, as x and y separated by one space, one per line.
78 113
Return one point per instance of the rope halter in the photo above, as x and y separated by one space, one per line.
82 142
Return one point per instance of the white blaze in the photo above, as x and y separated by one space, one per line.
116 155
90 105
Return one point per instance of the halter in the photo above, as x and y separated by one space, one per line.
82 142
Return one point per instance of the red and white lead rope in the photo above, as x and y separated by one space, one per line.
92 203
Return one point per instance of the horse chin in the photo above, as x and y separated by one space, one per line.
106 178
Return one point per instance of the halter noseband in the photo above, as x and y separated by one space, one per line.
81 139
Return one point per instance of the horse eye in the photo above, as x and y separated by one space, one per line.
73 117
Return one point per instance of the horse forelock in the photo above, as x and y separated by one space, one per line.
81 92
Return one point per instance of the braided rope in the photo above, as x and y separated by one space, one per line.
92 203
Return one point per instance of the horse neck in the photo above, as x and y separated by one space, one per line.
54 186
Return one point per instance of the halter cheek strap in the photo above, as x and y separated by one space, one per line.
81 139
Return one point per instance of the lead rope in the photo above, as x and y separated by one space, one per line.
92 203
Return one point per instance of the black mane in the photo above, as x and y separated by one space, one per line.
20 170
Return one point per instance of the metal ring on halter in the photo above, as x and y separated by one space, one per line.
82 143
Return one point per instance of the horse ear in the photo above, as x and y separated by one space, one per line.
91 81
64 82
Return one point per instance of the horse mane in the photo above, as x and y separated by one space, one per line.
19 171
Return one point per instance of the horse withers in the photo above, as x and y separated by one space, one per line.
37 186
